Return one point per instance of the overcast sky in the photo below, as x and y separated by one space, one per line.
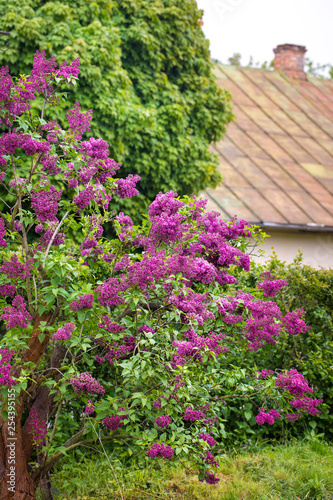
255 27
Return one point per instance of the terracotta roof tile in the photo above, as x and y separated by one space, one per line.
230 204
277 158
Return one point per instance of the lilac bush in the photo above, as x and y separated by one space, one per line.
142 325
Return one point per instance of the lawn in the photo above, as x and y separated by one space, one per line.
297 471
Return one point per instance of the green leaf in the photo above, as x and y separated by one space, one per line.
41 337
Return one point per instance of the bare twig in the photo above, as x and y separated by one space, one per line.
55 234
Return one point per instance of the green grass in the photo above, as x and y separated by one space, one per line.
298 471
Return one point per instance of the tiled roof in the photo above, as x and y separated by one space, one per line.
277 158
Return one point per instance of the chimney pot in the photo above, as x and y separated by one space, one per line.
290 59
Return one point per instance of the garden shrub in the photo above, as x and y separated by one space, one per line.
135 341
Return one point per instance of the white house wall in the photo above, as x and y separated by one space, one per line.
317 248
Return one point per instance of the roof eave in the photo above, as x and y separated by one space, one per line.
308 228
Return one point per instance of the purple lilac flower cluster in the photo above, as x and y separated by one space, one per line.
7 290
208 438
114 422
48 235
163 421
307 404
210 460
110 326
116 350
195 345
210 478
267 418
5 359
261 326
50 166
36 427
293 382
84 301
160 450
17 315
294 324
3 243
126 225
126 187
64 333
90 408
272 287
85 383
13 269
146 329
192 306
193 415
79 122
45 204
108 293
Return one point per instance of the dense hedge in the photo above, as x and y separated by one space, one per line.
311 353
146 72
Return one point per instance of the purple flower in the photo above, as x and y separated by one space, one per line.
3 243
84 198
210 460
66 71
193 415
114 422
165 204
85 383
84 301
90 408
45 204
79 122
293 382
5 359
32 146
49 163
267 418
294 324
116 350
264 373
14 269
210 478
126 187
110 326
208 438
108 293
17 315
163 421
160 450
293 416
307 404
36 427
64 333
17 226
272 287
9 141
7 290
146 329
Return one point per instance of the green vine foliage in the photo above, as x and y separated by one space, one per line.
147 73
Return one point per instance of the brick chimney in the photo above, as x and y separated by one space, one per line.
290 58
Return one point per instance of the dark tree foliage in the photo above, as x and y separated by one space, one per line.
146 72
